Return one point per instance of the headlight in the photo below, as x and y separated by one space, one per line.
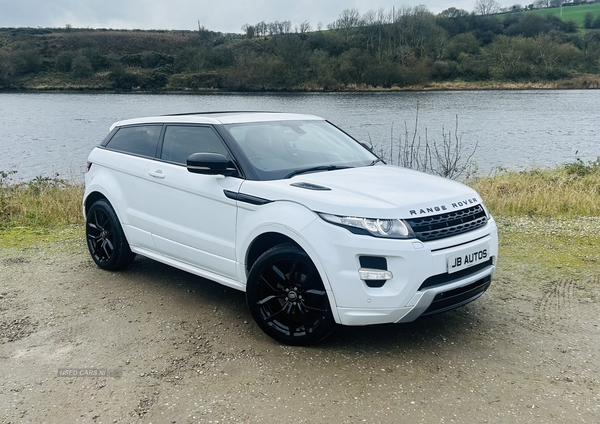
389 228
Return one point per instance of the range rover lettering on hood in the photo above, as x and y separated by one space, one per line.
442 208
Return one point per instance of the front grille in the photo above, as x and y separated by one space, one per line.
449 224
460 296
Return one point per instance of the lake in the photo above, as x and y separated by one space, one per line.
50 133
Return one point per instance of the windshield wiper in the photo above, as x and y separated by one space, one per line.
376 161
316 169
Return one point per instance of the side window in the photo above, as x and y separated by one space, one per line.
181 141
138 140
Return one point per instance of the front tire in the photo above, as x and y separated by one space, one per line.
287 298
105 237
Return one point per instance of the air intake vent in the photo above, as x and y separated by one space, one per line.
310 186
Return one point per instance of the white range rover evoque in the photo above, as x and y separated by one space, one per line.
314 227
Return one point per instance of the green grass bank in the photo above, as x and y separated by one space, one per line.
549 219
567 191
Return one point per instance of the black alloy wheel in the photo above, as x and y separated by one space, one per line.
105 237
287 298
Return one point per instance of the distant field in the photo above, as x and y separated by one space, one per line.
575 13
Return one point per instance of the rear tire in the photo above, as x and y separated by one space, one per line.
105 237
287 298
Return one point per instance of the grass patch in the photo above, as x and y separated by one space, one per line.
567 191
63 81
538 247
570 13
19 238
584 81
39 205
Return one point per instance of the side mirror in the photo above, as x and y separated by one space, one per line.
210 164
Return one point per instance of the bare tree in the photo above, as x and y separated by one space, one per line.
249 30
349 18
261 28
486 7
368 19
447 157
304 27
286 27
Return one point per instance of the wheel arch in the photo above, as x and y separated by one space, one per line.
92 198
262 243
106 240
268 239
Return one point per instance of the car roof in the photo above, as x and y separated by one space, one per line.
227 117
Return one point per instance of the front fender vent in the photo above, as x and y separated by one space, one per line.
310 186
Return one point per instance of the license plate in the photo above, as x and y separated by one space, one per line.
467 258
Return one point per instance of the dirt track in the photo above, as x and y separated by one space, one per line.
189 352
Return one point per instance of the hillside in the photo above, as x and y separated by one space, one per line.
411 48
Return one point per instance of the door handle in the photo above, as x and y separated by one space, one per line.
157 174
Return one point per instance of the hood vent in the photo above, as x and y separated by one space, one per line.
310 186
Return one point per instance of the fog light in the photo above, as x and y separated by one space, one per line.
374 274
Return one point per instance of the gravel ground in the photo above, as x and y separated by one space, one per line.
180 349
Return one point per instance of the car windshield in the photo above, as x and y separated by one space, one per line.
283 149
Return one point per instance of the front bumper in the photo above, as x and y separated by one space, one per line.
420 283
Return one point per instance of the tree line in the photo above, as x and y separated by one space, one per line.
408 46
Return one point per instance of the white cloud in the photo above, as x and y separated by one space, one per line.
222 15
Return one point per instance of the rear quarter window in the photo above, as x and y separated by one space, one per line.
139 140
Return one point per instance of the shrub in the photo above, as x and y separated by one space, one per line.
64 60
384 74
132 59
588 19
27 62
81 67
444 70
195 81
472 68
156 80
580 168
121 79
156 60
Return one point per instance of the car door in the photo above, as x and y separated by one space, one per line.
191 219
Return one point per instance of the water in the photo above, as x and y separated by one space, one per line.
50 133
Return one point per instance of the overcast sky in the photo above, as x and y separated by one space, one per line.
215 15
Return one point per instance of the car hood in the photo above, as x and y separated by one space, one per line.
380 191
